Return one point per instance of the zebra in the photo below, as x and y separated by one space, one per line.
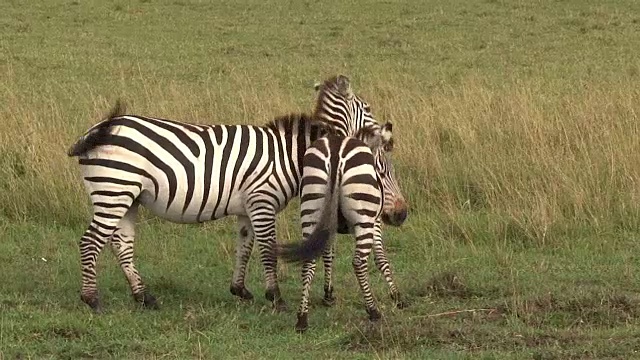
352 176
188 173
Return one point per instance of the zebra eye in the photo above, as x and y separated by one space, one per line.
388 147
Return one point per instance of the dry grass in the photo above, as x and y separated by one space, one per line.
537 167
540 164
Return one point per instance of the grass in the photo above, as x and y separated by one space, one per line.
516 145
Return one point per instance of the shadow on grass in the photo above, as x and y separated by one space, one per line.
550 326
170 290
450 284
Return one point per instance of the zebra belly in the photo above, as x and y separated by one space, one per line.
159 209
235 206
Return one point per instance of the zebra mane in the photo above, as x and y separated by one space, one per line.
287 121
337 85
377 136
366 132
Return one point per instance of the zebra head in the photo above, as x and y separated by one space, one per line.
339 108
380 140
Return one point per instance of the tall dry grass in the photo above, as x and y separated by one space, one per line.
515 161
518 161
39 182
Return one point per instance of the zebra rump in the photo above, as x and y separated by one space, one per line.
99 134
313 246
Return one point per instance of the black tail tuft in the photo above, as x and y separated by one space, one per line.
98 133
306 250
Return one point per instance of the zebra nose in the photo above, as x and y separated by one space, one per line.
400 216
400 213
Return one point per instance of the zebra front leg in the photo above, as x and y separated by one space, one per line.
244 246
263 221
308 270
328 257
364 238
380 258
122 247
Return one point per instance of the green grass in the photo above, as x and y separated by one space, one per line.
576 301
516 146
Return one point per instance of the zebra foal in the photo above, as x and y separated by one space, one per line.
348 180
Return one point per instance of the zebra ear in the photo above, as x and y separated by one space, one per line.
317 86
386 131
344 86
386 136
388 146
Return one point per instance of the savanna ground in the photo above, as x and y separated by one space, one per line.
517 144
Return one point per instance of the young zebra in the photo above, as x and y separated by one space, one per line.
354 177
190 173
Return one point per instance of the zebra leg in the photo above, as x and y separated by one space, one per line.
102 227
244 247
122 247
364 237
263 221
308 270
380 258
328 258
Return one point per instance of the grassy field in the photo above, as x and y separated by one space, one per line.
516 144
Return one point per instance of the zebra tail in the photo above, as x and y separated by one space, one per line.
313 246
97 134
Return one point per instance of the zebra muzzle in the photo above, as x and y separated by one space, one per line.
397 215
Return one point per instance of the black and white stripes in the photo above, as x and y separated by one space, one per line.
351 176
189 173
339 107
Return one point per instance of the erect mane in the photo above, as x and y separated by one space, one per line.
287 121
376 137
366 132
329 86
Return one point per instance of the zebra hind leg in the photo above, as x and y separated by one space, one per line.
380 258
244 247
382 263
328 258
122 243
263 221
364 237
99 232
308 270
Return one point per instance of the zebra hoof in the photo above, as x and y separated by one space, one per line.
241 292
302 325
93 302
374 314
273 295
280 306
402 304
328 301
399 303
147 301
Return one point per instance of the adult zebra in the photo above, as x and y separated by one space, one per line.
353 176
190 173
